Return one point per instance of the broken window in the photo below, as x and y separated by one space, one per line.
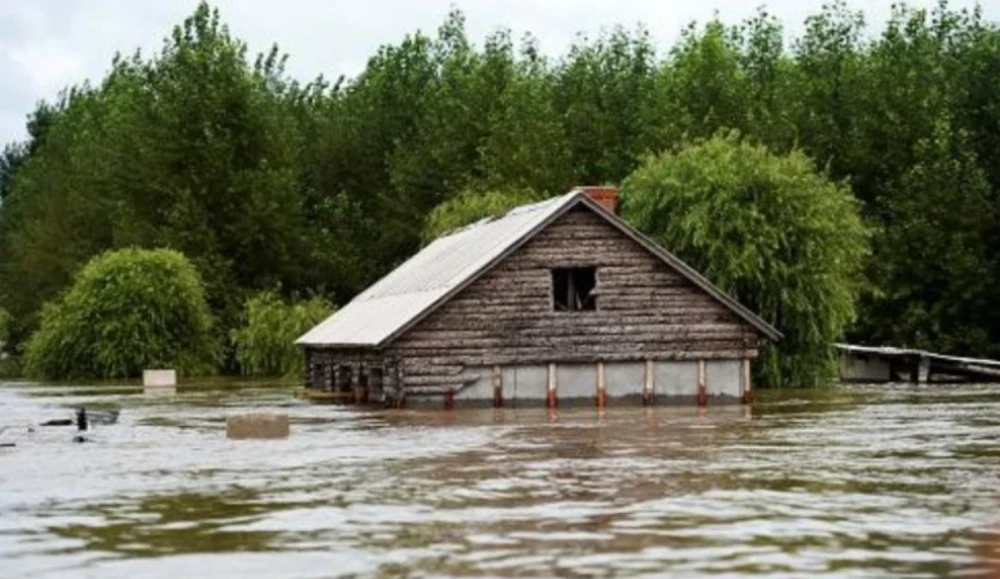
573 289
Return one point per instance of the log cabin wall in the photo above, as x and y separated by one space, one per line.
345 369
645 310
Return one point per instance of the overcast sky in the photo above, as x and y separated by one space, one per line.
46 45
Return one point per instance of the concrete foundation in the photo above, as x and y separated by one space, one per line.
672 382
480 389
865 368
624 380
675 381
576 382
525 384
723 378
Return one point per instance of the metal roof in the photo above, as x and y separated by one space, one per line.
428 279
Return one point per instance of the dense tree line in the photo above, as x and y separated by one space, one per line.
320 187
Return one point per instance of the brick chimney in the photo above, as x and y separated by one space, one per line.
605 195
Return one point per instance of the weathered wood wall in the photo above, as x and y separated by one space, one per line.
645 310
324 364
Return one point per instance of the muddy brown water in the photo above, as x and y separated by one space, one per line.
871 481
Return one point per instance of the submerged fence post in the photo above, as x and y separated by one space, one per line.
553 398
647 388
747 389
702 397
601 386
497 387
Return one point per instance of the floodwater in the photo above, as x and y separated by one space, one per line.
879 481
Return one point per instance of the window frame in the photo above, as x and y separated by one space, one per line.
570 269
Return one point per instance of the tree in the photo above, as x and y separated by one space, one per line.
771 231
127 310
931 259
4 328
321 188
471 206
605 92
526 145
265 344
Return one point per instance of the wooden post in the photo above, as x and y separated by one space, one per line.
449 399
356 382
497 387
364 382
553 398
647 388
747 390
601 386
702 397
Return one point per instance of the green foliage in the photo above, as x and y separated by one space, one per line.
126 311
5 323
265 344
9 366
322 187
471 206
770 230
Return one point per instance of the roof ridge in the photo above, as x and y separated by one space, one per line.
400 299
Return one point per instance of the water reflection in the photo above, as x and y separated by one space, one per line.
863 481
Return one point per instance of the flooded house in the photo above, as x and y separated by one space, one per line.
555 302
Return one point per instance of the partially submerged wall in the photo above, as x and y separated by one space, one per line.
645 310
659 382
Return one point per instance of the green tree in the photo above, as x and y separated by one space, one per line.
472 206
320 188
526 145
771 230
265 344
5 321
931 258
605 91
126 311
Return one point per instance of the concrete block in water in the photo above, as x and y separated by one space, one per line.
263 425
159 382
159 378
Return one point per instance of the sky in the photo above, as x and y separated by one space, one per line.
47 45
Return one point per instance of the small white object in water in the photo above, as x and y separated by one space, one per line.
161 378
159 382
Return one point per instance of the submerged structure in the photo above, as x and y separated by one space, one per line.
889 364
553 302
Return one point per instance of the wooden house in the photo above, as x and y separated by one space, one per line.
556 301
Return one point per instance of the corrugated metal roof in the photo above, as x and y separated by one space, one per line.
403 294
429 278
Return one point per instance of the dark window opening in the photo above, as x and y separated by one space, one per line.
344 376
573 289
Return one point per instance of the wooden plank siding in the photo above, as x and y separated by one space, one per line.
645 310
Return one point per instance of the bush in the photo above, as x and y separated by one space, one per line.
126 310
5 323
770 230
471 206
8 363
265 345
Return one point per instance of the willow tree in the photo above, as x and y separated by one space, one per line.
126 310
771 230
265 344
